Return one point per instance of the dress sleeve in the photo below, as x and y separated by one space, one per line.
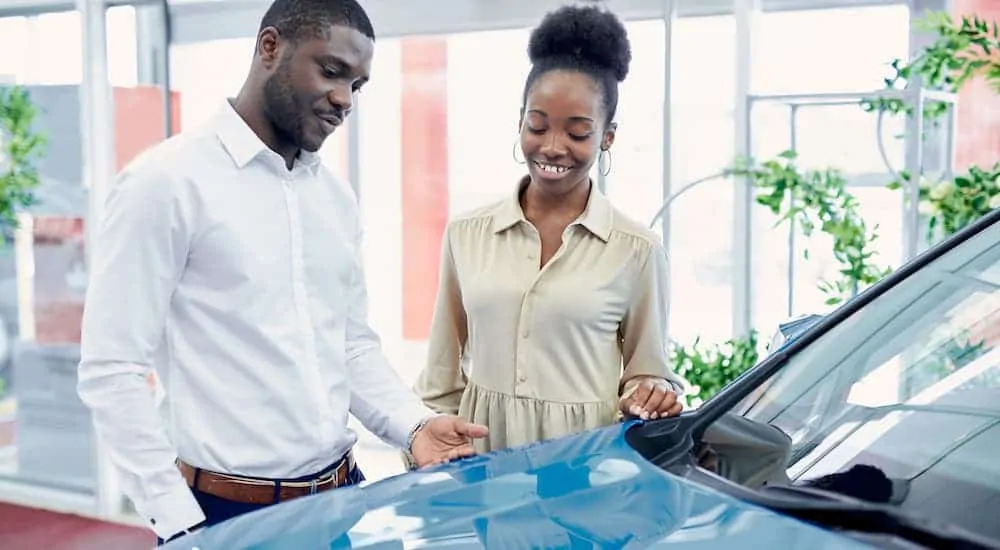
442 382
645 351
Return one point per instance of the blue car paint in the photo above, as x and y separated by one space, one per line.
590 490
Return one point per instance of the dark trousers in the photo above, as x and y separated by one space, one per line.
218 510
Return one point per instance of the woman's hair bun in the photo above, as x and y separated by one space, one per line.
588 33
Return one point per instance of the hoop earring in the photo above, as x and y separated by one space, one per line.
513 153
601 162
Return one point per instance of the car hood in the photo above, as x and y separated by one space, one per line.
584 491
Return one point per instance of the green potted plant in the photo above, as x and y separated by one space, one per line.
708 368
963 49
21 146
815 200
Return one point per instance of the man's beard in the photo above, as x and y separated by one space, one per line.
282 107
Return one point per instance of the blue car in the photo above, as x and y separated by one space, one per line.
876 426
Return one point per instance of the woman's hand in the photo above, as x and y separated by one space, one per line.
653 398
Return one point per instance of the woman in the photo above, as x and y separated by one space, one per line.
551 311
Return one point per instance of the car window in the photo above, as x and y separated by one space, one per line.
908 387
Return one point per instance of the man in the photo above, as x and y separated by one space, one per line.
231 257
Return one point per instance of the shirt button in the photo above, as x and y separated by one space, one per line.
521 376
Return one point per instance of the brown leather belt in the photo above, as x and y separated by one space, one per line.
249 490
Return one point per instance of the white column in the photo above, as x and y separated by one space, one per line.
745 12
922 154
97 137
669 18
152 57
354 148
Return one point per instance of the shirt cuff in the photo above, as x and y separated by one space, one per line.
410 418
173 512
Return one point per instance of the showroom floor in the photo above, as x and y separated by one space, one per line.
30 529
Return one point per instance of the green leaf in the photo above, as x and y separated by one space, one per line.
23 148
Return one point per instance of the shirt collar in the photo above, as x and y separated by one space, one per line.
596 217
244 145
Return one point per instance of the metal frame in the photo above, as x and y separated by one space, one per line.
666 184
915 96
743 225
747 15
97 135
153 56
198 20
18 8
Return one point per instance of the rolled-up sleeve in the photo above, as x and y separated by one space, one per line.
645 345
380 399
140 250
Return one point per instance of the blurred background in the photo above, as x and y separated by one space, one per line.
712 82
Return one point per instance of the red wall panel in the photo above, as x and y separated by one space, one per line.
58 242
424 135
139 120
978 104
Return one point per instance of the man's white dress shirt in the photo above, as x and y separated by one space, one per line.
241 282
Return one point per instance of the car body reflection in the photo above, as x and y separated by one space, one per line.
587 491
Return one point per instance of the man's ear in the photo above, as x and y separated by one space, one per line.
269 45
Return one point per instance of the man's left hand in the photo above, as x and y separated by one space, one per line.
445 438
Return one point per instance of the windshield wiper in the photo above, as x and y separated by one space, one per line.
830 509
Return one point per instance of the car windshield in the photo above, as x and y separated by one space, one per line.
900 402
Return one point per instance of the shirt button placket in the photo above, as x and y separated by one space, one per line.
299 296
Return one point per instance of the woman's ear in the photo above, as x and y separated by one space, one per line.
609 136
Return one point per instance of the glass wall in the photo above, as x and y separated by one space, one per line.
701 244
804 52
437 126
45 433
481 121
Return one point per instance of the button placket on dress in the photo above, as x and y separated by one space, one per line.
521 385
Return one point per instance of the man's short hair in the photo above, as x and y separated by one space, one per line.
307 19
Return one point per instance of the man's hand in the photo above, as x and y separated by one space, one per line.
445 438
652 399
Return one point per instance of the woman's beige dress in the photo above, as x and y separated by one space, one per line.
536 353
